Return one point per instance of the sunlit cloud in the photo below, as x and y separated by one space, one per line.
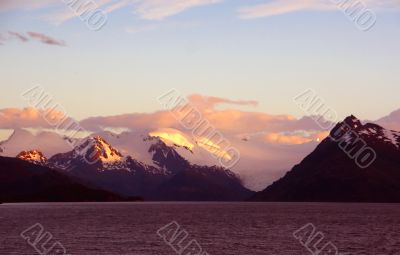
278 7
269 144
13 118
230 121
284 138
173 137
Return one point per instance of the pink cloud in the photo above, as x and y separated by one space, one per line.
45 39
29 37
392 121
13 118
279 7
282 138
229 121
158 10
210 102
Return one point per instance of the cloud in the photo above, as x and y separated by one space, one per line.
209 102
269 145
292 138
392 121
58 12
118 5
278 7
282 6
82 8
11 5
19 36
13 118
45 39
161 9
228 121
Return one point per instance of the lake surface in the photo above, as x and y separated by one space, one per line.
219 228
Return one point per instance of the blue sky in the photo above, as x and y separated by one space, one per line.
206 48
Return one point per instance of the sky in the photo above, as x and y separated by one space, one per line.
247 66
266 51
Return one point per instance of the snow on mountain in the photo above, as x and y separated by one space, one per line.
138 144
370 132
49 143
261 163
338 171
200 151
97 148
33 156
91 151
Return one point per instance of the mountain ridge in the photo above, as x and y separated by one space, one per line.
22 181
96 161
329 174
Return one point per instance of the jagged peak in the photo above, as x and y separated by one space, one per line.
351 125
34 156
353 121
97 147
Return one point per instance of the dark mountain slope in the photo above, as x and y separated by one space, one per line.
21 181
331 174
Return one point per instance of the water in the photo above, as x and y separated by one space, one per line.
220 228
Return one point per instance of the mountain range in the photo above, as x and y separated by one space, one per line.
166 175
157 169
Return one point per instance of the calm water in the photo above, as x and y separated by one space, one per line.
220 228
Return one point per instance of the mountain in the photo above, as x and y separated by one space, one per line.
142 145
33 156
21 181
94 151
343 168
260 161
98 162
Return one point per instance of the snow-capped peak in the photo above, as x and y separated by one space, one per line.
97 148
33 156
370 132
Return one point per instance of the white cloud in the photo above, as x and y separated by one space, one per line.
161 9
278 7
144 9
